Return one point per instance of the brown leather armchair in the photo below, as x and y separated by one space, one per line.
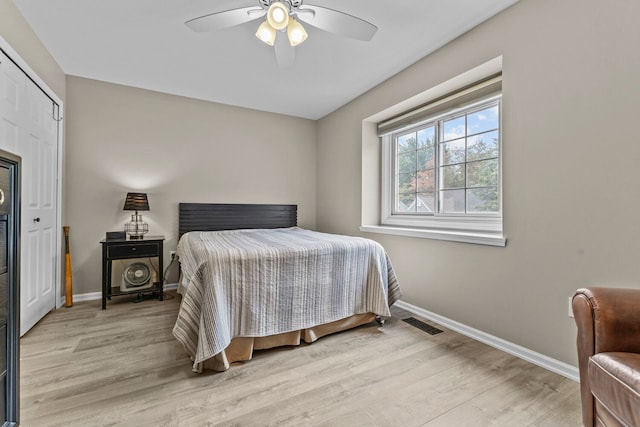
608 322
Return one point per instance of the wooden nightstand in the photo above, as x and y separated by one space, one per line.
114 249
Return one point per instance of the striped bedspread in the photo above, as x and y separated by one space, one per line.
256 283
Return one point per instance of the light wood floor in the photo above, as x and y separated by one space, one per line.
82 366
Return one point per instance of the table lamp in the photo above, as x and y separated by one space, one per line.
136 228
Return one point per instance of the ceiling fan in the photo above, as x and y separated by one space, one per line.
283 16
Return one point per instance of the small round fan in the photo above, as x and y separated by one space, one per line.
137 274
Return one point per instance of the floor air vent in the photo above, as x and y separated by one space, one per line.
422 326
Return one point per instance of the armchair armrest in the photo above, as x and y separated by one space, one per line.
608 320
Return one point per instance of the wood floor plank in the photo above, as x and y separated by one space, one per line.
83 366
516 401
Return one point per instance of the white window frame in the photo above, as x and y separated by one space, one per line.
441 225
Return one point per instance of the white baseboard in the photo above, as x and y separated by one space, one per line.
536 358
87 297
91 296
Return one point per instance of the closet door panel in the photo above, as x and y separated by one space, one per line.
12 81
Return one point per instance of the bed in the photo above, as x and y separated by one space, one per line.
251 279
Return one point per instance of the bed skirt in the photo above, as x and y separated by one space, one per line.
241 348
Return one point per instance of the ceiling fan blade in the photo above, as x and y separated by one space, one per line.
285 53
228 18
337 22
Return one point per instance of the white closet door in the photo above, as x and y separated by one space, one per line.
30 130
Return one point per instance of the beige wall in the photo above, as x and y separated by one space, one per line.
15 30
571 157
571 153
21 38
175 149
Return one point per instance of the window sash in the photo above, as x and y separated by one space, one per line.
439 218
439 187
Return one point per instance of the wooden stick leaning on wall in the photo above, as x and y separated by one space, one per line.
68 300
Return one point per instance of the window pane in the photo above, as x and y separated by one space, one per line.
426 137
482 146
483 173
452 201
406 202
425 158
407 142
452 152
407 162
453 129
426 202
406 183
482 121
482 199
452 176
426 181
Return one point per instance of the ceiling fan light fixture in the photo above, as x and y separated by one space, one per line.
296 33
278 15
286 15
266 33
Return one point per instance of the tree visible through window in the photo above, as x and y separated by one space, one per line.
450 166
416 171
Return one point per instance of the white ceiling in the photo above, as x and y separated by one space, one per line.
145 44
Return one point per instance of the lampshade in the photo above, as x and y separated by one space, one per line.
266 33
296 33
136 202
278 15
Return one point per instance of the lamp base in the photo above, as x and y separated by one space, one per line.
136 228
136 237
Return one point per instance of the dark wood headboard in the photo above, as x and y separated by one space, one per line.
225 216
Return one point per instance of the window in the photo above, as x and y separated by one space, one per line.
442 164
